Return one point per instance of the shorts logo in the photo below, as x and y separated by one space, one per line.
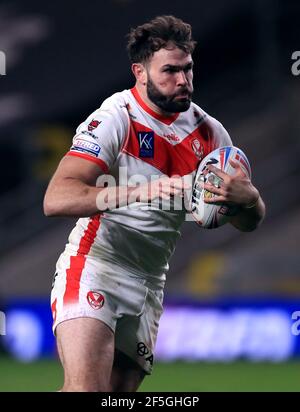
93 124
143 351
146 143
95 300
82 145
197 148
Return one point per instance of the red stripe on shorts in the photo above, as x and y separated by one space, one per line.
77 262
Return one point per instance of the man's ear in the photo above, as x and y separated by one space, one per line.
140 72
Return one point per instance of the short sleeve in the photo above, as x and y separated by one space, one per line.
220 135
99 138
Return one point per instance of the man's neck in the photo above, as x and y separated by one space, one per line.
143 93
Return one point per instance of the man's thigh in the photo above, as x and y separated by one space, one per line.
135 336
127 307
126 375
86 348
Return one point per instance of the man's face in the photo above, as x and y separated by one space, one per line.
170 79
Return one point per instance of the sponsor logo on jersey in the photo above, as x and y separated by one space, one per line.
197 148
95 300
85 146
93 124
172 137
146 143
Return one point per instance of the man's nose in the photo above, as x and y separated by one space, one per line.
181 78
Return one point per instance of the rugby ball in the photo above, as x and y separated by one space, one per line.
207 215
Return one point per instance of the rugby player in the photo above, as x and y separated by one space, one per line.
108 287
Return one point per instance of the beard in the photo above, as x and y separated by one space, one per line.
167 103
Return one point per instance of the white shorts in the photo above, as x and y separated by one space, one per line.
85 286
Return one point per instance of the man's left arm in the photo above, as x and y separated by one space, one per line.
249 218
238 190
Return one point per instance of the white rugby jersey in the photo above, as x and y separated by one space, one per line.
125 132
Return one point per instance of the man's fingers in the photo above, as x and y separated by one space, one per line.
179 183
213 189
233 163
216 200
165 196
219 194
238 168
175 185
218 172
172 191
166 187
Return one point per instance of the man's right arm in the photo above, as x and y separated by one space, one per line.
72 191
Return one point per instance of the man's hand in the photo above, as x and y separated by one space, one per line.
236 189
118 196
164 188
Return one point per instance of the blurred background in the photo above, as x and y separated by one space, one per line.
230 321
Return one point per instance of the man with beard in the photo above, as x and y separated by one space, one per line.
108 287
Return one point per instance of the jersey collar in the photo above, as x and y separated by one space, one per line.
164 119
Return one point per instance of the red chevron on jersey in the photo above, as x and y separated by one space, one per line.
133 140
179 159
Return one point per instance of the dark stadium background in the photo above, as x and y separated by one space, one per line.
230 297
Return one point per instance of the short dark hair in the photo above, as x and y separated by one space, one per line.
145 40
